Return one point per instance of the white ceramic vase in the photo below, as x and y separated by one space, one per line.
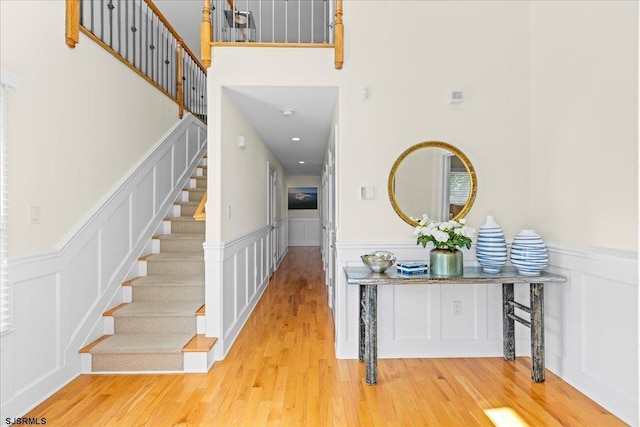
529 253
491 247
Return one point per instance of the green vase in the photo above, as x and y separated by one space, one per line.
444 262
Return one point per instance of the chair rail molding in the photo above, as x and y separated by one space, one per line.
71 286
236 275
583 318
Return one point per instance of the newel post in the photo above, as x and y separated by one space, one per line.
179 83
205 34
339 37
72 24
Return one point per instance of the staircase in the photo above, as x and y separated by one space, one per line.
162 327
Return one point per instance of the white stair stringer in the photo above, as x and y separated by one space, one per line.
160 327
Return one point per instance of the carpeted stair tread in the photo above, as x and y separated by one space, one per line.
143 343
159 309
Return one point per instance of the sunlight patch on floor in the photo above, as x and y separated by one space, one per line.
505 417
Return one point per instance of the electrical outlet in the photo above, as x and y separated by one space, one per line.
457 308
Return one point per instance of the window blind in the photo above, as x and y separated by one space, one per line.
459 187
7 81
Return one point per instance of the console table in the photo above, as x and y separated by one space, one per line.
369 282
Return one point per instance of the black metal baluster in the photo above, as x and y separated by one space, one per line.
110 6
140 37
126 32
134 29
92 23
146 43
119 29
102 20
151 50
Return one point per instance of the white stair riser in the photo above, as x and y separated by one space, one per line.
175 268
187 226
155 325
137 362
181 245
163 293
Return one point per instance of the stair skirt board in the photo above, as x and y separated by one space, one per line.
161 328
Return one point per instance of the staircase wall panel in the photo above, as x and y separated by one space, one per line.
143 205
237 274
591 321
80 279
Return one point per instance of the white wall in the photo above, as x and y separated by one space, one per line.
59 296
495 53
584 122
238 183
80 121
304 224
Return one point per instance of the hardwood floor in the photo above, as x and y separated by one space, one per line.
282 371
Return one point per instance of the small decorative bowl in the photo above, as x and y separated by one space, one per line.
378 261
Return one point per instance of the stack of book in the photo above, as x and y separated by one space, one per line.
412 267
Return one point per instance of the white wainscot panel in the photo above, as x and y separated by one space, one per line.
192 143
610 332
304 231
163 173
37 304
143 206
59 296
116 243
241 281
471 316
405 302
84 283
179 156
252 271
228 294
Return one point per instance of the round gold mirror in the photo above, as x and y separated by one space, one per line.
433 178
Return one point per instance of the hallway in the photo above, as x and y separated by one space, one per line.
282 371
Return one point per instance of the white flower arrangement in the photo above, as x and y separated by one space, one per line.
444 235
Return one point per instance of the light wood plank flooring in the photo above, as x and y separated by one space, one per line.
282 372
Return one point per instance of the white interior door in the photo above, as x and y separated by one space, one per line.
272 238
332 218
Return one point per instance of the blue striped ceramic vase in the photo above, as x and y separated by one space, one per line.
491 247
529 253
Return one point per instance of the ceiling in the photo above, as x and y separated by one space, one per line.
311 120
313 107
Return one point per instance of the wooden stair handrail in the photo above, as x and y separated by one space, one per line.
206 36
201 213
72 23
339 37
72 38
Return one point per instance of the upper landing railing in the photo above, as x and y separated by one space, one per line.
137 33
272 23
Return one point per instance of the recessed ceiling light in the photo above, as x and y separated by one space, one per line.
287 112
295 138
301 162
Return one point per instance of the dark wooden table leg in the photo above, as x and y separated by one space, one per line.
361 322
508 334
370 314
536 291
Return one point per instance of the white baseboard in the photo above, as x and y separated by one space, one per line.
595 311
71 286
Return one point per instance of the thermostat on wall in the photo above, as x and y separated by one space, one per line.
456 97
367 193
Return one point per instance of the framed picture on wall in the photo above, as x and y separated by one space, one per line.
303 197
